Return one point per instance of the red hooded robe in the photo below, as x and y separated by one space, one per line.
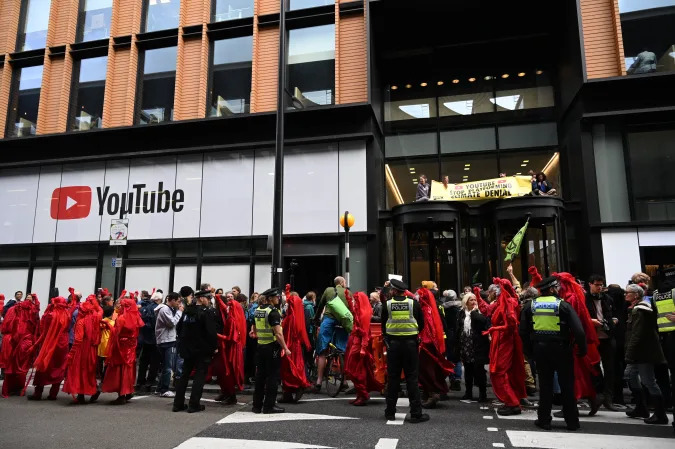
81 366
229 362
584 367
50 364
507 368
433 366
359 361
293 375
20 330
120 375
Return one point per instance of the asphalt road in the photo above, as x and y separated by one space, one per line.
148 423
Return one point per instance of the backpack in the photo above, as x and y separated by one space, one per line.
148 316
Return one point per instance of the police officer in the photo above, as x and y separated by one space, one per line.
402 321
267 329
664 301
545 326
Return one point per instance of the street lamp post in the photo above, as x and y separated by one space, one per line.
347 221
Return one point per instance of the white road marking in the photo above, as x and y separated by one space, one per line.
467 401
602 416
498 445
484 408
138 397
399 419
492 429
560 440
220 443
387 443
488 417
218 402
342 399
242 417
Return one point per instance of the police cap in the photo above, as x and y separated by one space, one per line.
274 291
203 294
548 282
398 285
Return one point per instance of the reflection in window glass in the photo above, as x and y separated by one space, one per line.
530 135
231 77
465 140
161 14
302 4
648 38
88 101
232 9
94 20
526 98
410 144
24 102
36 19
467 168
159 79
526 163
466 104
410 109
402 178
311 65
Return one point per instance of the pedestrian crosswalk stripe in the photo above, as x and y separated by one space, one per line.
387 443
250 417
601 417
220 443
398 421
566 440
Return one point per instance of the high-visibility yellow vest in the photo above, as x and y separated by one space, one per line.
545 315
665 304
401 322
262 326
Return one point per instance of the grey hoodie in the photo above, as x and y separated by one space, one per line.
165 327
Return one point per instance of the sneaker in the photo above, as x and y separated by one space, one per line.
168 394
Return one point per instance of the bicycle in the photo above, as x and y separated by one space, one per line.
334 377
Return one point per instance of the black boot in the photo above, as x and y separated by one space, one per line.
659 416
640 410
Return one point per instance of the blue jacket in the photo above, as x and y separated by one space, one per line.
147 334
309 316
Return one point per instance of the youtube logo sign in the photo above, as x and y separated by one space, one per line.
70 203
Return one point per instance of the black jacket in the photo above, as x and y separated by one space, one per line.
642 336
570 324
417 313
607 310
197 332
481 343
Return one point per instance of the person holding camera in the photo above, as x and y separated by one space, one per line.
599 306
197 343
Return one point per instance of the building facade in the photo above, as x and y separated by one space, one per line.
163 112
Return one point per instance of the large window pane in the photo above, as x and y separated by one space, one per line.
610 173
159 79
652 158
466 168
24 102
465 140
94 20
524 98
402 178
533 135
648 38
88 100
36 19
231 77
524 163
232 9
409 109
302 4
311 64
410 145
466 95
161 14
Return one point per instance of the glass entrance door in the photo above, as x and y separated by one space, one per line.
432 256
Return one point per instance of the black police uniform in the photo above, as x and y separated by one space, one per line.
268 364
402 354
554 352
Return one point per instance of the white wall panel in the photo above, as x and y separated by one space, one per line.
184 275
263 192
621 252
81 279
227 276
40 285
656 237
262 277
311 189
157 225
12 280
227 194
353 184
87 177
18 192
45 226
147 277
188 179
117 179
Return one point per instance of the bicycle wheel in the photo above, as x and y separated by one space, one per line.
335 373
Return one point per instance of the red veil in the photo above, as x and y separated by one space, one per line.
359 362
55 321
295 334
232 342
534 276
122 345
434 367
584 367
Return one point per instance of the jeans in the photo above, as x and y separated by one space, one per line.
642 373
458 371
167 354
556 384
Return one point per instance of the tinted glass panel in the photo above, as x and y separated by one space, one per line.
301 4
23 112
34 35
161 14
88 101
159 79
522 136
232 9
410 109
402 178
311 65
231 78
468 168
410 144
528 163
94 20
464 140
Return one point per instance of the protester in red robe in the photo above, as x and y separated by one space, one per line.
534 276
359 360
20 330
81 365
483 307
434 368
50 364
507 371
293 377
120 374
584 367
228 364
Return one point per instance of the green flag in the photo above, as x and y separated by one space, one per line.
514 246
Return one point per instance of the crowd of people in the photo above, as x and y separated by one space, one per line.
562 338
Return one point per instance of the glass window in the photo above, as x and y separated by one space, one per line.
402 178
467 168
88 99
409 109
410 144
652 158
464 140
35 21
94 20
157 89
610 173
533 135
311 65
524 163
231 76
648 38
161 14
232 9
466 95
302 4
524 98
24 101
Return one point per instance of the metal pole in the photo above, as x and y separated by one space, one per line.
116 292
277 232
347 248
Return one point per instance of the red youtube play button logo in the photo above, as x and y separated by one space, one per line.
70 203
